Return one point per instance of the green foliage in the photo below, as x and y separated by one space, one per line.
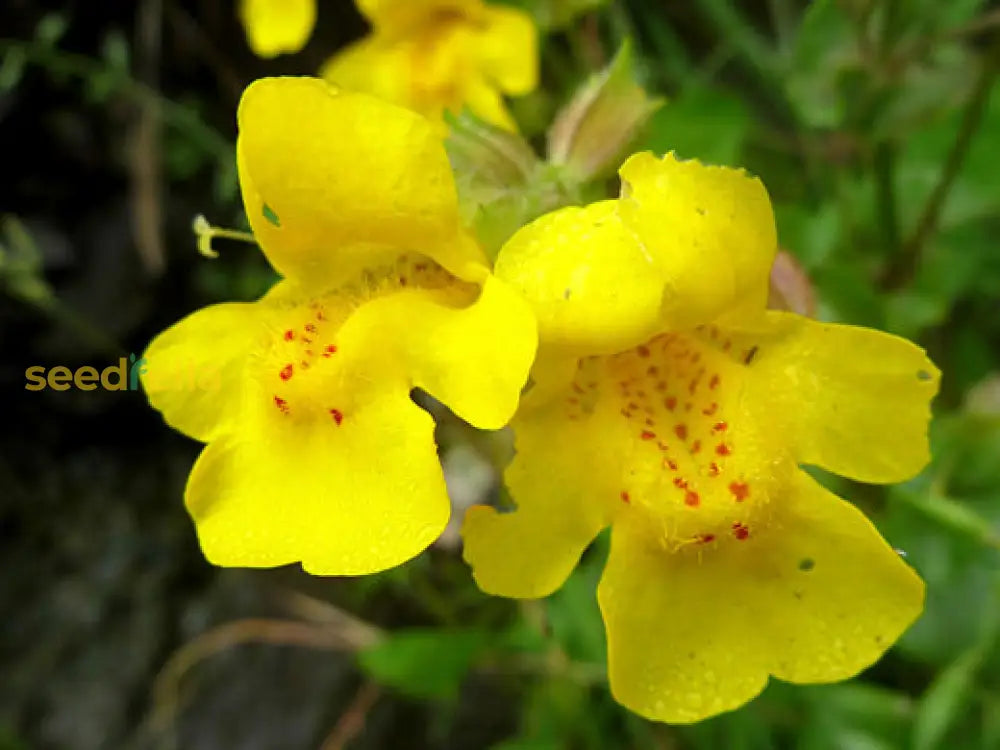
425 663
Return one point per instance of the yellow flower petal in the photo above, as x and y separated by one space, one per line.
194 370
318 454
327 193
529 552
400 16
485 101
277 26
374 66
345 498
591 285
709 229
474 359
816 596
507 48
852 400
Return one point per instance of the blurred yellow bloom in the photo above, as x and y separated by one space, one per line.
274 27
670 405
316 452
438 55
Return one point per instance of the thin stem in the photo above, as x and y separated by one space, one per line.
82 66
885 195
910 257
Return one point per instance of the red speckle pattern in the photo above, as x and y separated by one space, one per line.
674 392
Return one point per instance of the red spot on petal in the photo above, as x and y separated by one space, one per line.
670 403
712 408
319 315
647 435
723 450
643 351
672 464
338 415
706 538
713 469
330 349
740 490
577 388
281 404
625 497
310 328
691 499
714 382
286 372
289 335
696 446
681 431
680 483
740 531
653 369
720 427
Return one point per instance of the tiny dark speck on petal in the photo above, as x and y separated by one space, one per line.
923 375
806 564
797 594
750 355
700 210
567 293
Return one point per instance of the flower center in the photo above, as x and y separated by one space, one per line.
696 465
300 365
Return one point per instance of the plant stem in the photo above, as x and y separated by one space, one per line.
82 66
908 260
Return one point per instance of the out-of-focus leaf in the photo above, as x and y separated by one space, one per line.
946 700
51 29
574 614
811 235
12 69
424 662
823 52
551 15
976 191
116 52
702 123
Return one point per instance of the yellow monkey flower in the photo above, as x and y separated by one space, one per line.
316 451
669 404
440 55
274 27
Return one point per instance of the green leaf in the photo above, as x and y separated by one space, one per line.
824 51
424 662
702 123
946 700
574 615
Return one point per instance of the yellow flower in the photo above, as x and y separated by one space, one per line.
438 55
274 27
316 452
670 405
